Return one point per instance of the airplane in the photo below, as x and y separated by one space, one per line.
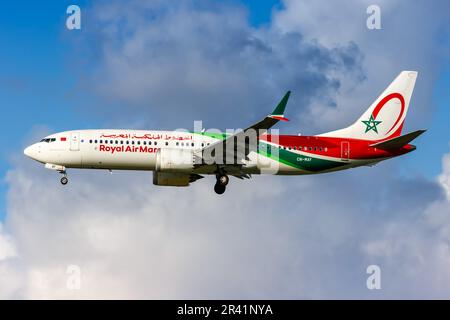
179 158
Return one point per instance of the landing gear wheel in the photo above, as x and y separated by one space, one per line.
64 181
219 189
223 179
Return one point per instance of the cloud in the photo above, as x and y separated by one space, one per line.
11 278
206 62
271 237
416 253
444 178
274 237
6 246
409 40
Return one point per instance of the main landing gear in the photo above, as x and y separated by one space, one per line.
221 183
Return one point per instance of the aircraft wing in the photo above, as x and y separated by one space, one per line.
241 145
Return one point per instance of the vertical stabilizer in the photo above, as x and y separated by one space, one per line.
385 117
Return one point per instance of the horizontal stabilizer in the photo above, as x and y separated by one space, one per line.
398 142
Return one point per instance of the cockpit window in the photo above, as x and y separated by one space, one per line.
48 140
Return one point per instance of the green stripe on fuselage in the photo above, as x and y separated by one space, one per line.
218 136
298 161
285 156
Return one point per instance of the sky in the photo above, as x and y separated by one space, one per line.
163 64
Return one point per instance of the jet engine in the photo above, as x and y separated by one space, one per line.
171 179
174 168
174 179
175 160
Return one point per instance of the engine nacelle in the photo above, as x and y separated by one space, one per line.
175 160
171 179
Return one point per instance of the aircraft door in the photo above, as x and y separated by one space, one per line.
345 150
75 141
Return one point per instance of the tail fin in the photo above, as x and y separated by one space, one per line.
385 117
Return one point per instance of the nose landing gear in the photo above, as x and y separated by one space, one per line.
60 169
221 183
64 180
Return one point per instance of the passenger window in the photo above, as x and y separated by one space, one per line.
139 143
132 142
177 143
128 142
192 144
155 143
310 148
90 141
167 143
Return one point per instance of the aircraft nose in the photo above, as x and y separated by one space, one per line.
28 151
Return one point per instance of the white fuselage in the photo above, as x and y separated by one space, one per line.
112 149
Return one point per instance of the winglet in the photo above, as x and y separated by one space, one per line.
278 113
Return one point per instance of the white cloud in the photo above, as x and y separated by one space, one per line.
408 40
444 178
7 249
206 62
415 254
10 276
274 237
